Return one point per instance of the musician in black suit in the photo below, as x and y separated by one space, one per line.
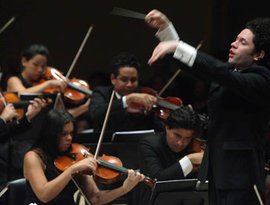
238 106
125 82
170 155
9 127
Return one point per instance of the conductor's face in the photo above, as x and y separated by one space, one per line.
178 138
126 81
242 53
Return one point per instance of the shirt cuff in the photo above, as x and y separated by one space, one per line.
169 33
186 165
124 100
185 53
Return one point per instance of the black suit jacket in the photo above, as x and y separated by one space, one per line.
158 162
239 110
119 119
8 132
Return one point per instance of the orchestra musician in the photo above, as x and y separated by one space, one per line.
170 155
47 185
9 127
125 82
34 60
238 106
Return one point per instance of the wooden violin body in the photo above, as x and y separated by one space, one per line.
162 108
109 168
13 98
76 92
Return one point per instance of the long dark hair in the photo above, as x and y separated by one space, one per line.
52 127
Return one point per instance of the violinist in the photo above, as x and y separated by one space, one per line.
125 81
9 127
171 155
34 60
47 185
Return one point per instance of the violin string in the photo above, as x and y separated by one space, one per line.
104 125
79 51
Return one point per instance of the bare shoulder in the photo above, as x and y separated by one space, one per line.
31 156
14 79
14 84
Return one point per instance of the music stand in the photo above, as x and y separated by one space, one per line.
178 192
131 136
91 137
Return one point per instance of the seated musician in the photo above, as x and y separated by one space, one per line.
34 61
170 155
125 82
10 125
47 185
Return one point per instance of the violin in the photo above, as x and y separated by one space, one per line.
10 97
197 145
108 170
162 108
76 92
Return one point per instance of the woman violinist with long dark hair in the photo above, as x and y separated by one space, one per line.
47 185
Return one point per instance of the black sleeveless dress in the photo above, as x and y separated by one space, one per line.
65 197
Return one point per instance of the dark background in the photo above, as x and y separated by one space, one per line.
62 24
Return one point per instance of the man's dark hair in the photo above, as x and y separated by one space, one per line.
33 50
124 59
260 27
185 117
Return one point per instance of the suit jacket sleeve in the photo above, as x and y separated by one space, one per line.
157 162
253 83
14 127
99 104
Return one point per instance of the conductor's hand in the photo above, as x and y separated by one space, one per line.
157 19
162 49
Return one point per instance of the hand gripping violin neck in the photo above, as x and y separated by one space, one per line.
109 168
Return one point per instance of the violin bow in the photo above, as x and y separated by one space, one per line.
80 190
9 22
104 125
175 74
79 51
257 194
